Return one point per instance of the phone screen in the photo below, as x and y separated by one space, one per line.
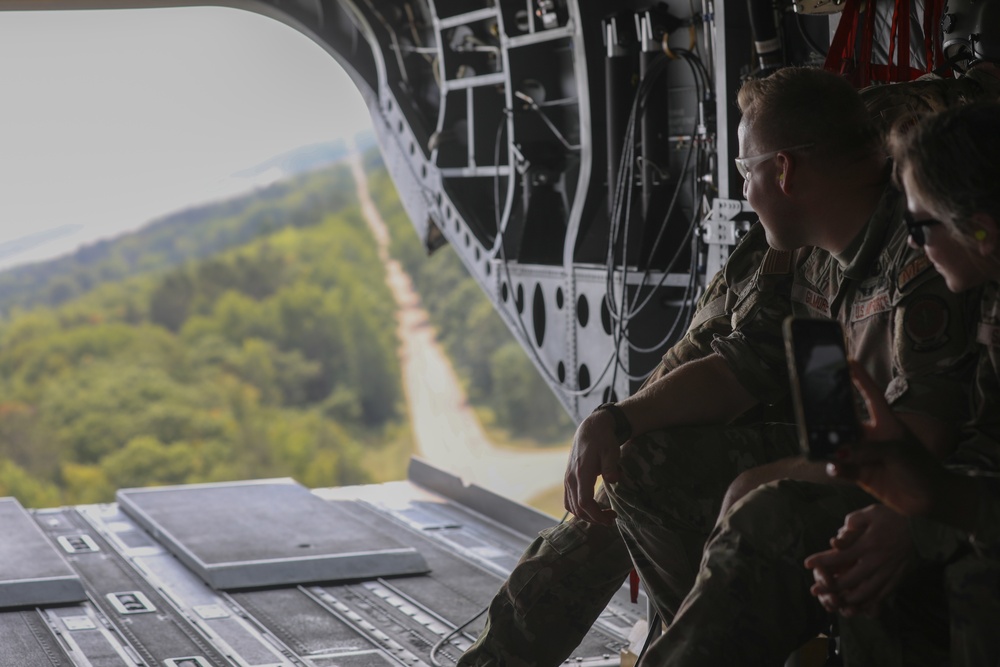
821 383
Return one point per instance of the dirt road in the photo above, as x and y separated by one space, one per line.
446 430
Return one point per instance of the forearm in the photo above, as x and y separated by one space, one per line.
700 392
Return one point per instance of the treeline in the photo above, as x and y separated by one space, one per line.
275 357
498 374
178 238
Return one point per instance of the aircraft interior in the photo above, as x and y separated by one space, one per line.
578 158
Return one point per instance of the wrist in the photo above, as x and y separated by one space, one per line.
622 425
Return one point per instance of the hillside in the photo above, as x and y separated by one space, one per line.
248 338
187 235
251 338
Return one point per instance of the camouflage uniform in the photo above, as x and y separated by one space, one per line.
567 576
750 604
971 563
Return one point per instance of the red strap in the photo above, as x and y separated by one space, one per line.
850 52
840 54
633 585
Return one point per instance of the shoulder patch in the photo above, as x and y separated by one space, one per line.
776 262
910 272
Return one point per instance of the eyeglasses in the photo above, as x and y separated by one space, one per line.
745 164
916 227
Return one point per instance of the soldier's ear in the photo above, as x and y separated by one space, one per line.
786 165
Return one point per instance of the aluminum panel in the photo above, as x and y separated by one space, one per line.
267 533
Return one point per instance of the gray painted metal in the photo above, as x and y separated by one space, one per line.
32 571
523 519
266 533
143 605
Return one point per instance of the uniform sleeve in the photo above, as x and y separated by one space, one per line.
713 317
709 319
755 350
934 345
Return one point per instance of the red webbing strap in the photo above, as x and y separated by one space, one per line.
858 67
840 54
633 585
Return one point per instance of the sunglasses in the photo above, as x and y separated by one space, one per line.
916 227
745 164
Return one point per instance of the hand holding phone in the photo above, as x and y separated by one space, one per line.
825 409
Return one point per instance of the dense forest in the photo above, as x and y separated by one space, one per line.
499 377
249 338
270 351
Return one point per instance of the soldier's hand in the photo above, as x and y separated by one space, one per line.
903 475
870 554
882 423
595 452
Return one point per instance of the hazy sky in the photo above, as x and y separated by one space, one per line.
111 118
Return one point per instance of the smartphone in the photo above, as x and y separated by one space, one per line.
822 392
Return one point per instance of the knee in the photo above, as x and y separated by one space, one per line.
744 483
764 516
748 480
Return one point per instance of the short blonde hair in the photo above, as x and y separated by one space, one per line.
807 105
954 159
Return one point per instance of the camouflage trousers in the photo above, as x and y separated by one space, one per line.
944 614
671 489
972 584
673 481
558 588
949 608
750 604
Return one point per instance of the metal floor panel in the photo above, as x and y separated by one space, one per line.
146 604
27 640
146 621
266 533
469 553
301 623
32 571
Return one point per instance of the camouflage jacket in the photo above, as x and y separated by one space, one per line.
900 321
980 451
711 317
